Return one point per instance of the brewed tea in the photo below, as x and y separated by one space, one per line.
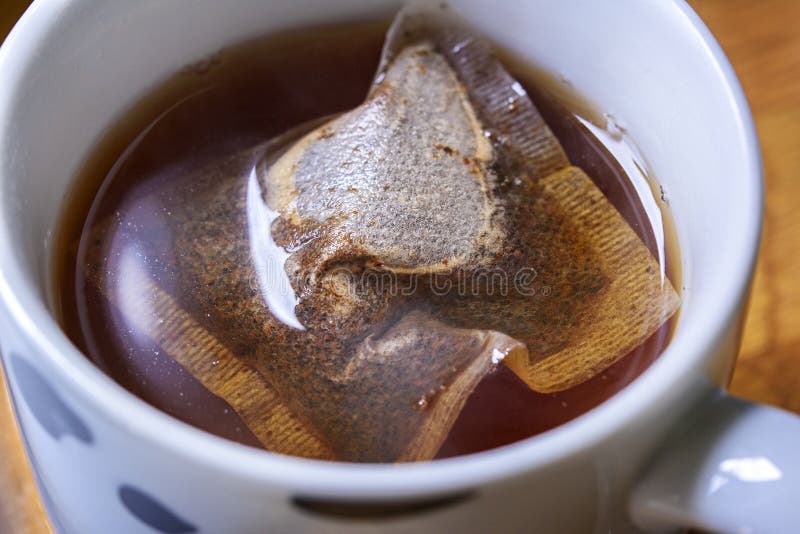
451 263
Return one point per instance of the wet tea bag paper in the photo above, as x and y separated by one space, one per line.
318 278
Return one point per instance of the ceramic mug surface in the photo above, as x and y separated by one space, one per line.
108 462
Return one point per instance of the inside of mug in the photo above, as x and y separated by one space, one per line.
662 92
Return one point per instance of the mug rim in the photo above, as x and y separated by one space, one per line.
682 355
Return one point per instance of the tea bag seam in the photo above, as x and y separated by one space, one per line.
196 349
543 375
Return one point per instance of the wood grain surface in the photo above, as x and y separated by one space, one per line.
763 42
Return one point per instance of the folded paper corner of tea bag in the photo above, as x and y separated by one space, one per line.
631 299
410 412
494 348
447 168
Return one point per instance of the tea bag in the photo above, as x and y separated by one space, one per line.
317 260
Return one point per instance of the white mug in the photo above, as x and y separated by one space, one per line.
669 451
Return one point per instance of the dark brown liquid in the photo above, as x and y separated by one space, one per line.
237 99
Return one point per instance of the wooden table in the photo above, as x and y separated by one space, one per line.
763 42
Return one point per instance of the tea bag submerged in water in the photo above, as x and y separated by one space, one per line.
323 268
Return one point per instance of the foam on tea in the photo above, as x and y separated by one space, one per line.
346 285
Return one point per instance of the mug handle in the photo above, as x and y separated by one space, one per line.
733 467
